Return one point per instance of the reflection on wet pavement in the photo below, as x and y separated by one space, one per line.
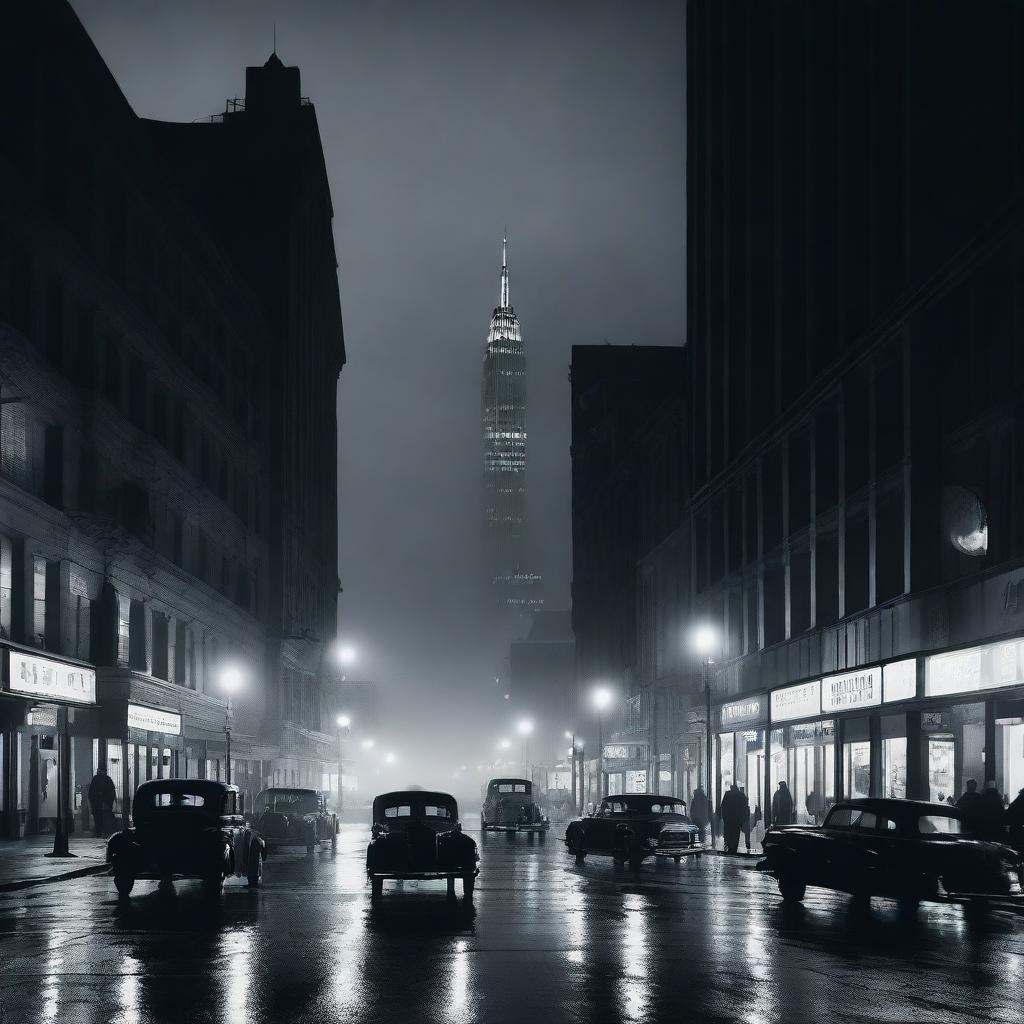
544 940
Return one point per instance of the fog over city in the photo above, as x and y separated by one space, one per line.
567 123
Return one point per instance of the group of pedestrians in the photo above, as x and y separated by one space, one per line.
734 814
988 816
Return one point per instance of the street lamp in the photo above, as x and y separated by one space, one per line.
524 727
601 698
704 642
344 725
504 744
230 683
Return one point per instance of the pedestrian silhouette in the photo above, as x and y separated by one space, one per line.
101 800
782 806
1015 821
700 810
992 814
735 815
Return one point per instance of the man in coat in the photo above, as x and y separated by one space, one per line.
735 815
700 811
101 799
782 806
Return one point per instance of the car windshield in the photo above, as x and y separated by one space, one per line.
288 802
855 818
611 808
178 800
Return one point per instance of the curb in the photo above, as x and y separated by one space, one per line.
28 883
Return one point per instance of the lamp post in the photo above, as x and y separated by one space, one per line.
524 728
704 641
601 699
571 737
344 725
230 683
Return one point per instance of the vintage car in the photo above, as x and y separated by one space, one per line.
635 826
186 828
906 849
509 807
416 834
295 817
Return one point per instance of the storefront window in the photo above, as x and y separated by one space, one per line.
955 739
726 765
894 756
750 765
691 768
803 756
115 769
1010 755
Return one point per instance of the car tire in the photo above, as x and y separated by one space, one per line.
451 888
310 849
908 904
468 885
677 859
635 862
124 883
254 875
214 884
792 889
376 888
580 855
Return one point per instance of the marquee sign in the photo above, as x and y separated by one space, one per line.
29 675
741 713
849 690
154 720
800 701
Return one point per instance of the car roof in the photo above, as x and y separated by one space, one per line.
646 796
413 796
185 786
891 805
288 789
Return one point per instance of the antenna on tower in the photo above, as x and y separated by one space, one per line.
275 37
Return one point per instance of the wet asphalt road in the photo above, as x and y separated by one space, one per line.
544 941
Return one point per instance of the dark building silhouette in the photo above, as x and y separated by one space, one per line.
170 341
855 354
628 491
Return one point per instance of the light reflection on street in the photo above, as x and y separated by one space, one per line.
235 954
635 991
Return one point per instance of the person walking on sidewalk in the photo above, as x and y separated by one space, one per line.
700 810
735 814
101 799
782 806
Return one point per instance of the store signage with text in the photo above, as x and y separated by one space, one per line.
153 720
742 712
52 680
860 689
800 701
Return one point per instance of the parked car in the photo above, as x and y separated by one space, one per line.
186 828
417 834
509 807
295 817
906 849
635 826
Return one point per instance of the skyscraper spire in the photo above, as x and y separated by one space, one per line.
503 299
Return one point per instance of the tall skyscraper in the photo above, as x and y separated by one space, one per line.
504 449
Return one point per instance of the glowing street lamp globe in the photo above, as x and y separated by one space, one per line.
525 727
343 721
231 679
704 640
601 697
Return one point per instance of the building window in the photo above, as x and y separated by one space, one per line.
6 581
53 465
161 646
774 605
14 461
137 635
39 601
826 579
82 610
799 481
889 545
123 629
799 592
856 589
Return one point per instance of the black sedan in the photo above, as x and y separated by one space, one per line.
905 849
633 827
509 807
417 834
186 828
295 817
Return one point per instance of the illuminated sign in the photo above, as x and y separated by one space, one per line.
750 711
32 676
800 701
953 673
899 681
153 720
848 690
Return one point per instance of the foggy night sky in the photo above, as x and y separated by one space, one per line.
441 122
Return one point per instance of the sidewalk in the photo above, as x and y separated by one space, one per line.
23 862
